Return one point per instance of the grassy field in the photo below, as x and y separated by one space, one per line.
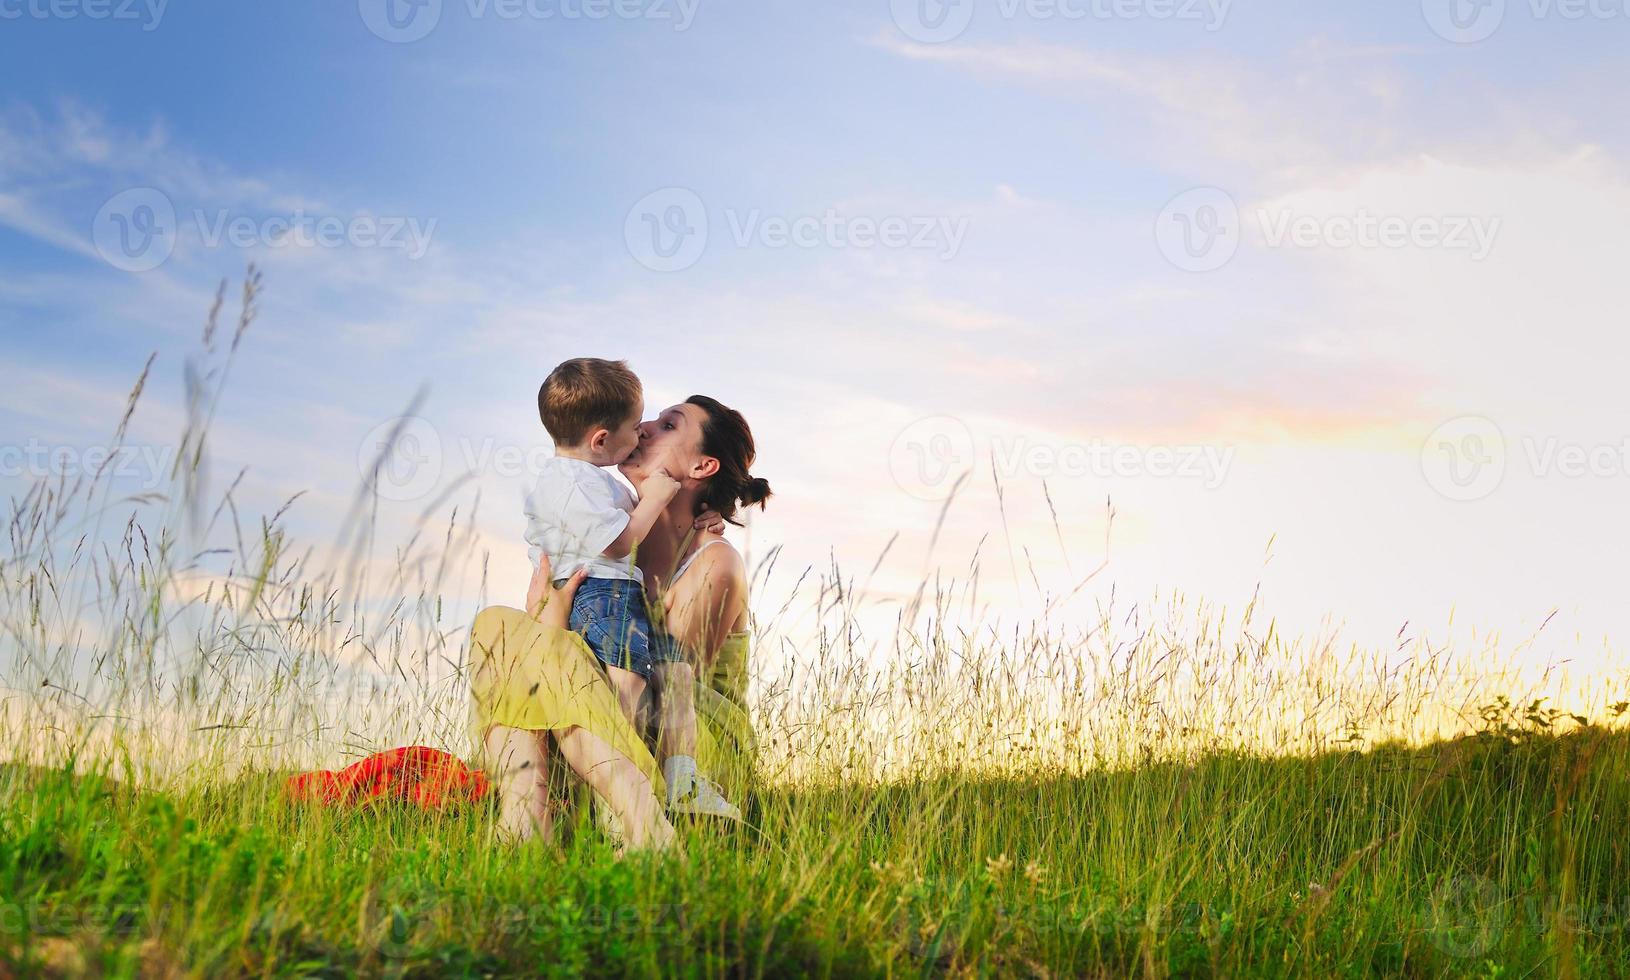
1496 855
1154 790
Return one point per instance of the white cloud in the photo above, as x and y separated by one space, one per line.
1322 368
17 213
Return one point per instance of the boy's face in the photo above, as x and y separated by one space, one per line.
613 446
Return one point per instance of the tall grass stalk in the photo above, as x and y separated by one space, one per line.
1159 789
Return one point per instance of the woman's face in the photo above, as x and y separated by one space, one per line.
672 441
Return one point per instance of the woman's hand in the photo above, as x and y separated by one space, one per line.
545 603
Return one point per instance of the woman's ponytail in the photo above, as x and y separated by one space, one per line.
726 437
755 491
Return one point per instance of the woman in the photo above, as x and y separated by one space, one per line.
534 681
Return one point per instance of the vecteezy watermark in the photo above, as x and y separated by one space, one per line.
1468 915
936 21
667 230
148 13
1472 234
1467 458
404 458
1200 230
33 917
1465 915
401 458
406 234
400 21
1464 458
1207 465
398 908
930 455
143 467
406 21
137 229
940 234
1464 21
1471 21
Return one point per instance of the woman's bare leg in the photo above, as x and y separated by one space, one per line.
518 764
621 784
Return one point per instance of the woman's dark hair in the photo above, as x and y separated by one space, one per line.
726 437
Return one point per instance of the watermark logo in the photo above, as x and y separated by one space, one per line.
144 467
932 21
1470 233
401 458
666 230
1471 21
930 455
1468 458
406 458
136 229
405 234
1207 465
937 21
1464 459
1466 915
1199 229
1464 21
148 12
400 21
406 21
940 234
396 909
1551 456
19 919
1212 13
1580 9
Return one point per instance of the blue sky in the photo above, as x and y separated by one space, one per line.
1035 153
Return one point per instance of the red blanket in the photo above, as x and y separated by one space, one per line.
416 774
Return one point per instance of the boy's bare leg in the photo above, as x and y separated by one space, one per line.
519 766
688 790
630 688
621 784
675 685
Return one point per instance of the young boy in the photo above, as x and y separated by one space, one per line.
580 515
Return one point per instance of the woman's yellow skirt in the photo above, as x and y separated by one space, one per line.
543 678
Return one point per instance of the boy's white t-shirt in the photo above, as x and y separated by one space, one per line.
573 512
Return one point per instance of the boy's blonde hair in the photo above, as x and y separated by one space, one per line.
584 394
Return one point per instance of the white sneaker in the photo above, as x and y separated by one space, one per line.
702 799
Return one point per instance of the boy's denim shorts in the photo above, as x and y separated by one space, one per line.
611 615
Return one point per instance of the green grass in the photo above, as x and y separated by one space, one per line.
1453 859
1160 790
